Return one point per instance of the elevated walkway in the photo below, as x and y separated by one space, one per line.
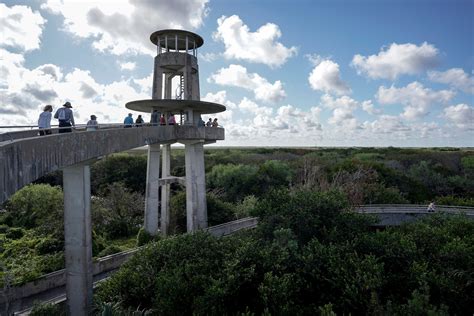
25 157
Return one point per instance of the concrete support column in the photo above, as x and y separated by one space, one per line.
196 205
152 186
165 190
157 92
195 84
78 239
168 85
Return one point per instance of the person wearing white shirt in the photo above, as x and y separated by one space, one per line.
44 120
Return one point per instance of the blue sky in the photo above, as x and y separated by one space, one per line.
291 73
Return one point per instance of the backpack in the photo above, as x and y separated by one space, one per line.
62 114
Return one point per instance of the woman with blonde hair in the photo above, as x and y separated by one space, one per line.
44 120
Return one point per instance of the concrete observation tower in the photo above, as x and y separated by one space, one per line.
176 92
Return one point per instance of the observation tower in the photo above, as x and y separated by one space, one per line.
176 93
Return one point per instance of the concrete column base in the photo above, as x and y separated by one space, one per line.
152 186
78 239
196 204
165 190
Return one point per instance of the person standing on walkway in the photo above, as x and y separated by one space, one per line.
139 121
214 123
154 118
92 124
65 118
209 123
128 121
44 120
171 119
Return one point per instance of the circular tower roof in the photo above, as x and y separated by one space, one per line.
181 38
171 105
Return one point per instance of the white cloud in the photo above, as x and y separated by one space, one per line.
220 97
25 91
115 25
256 47
342 111
368 107
461 115
455 77
396 60
416 98
128 66
387 124
325 77
20 27
237 76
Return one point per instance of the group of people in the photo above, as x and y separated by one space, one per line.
157 119
154 121
65 118
211 123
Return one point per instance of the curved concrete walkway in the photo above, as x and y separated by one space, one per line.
23 160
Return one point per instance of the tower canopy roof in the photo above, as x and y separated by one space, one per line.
171 33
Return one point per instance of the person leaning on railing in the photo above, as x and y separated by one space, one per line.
44 120
65 117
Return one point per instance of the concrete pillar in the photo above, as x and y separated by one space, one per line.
152 186
165 190
78 239
196 205
195 84
157 92
168 85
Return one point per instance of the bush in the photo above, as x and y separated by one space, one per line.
236 181
119 212
38 206
49 245
15 233
109 250
128 169
46 309
143 237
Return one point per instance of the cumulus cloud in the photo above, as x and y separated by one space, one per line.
261 46
415 97
128 66
454 77
396 60
342 111
237 76
25 91
21 27
387 124
368 107
461 115
325 77
123 26
220 97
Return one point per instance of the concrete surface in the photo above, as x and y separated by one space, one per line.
24 160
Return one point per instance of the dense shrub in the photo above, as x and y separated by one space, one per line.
119 212
236 181
39 206
307 256
128 169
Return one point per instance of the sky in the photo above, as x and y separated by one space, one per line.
290 72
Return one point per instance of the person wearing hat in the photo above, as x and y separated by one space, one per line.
128 121
65 118
92 124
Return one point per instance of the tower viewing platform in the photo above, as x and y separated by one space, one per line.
25 157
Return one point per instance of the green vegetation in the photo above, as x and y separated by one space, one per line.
309 255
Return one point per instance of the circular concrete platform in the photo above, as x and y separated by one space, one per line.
181 38
170 105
